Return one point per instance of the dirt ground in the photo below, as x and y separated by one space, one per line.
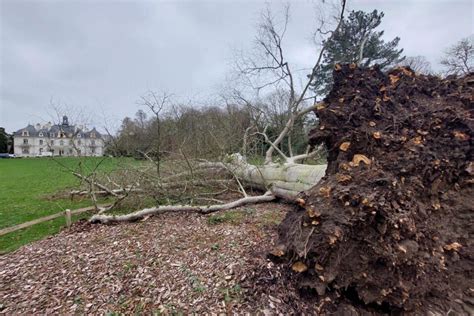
170 264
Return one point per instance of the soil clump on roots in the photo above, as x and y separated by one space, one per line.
389 228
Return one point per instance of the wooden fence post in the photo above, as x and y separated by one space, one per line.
67 213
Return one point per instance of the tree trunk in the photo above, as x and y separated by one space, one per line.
277 180
283 180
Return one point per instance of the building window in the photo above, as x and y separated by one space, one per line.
52 142
52 134
25 151
41 134
41 142
25 141
92 135
41 151
71 143
25 133
79 135
93 150
79 142
61 143
70 151
93 142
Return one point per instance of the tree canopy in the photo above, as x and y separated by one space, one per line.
356 41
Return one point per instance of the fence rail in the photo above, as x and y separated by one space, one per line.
67 214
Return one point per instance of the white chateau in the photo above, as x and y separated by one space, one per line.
57 140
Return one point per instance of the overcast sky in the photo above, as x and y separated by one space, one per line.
101 56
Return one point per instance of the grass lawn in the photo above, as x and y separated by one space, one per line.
26 187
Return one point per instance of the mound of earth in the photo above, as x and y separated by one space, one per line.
390 226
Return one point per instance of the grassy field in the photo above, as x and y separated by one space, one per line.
26 189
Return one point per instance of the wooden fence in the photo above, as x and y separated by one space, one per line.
67 214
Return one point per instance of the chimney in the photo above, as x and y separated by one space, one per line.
38 126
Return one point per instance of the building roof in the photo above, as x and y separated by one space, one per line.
69 130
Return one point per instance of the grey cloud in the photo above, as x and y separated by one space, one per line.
102 55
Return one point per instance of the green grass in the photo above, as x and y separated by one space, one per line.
233 217
26 189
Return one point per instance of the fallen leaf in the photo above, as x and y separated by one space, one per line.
372 123
337 67
353 66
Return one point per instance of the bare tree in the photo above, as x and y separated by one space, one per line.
156 103
418 63
459 58
269 67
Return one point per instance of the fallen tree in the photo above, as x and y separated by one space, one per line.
389 228
283 174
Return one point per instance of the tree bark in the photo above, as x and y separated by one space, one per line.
283 180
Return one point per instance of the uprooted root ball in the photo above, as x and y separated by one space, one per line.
391 224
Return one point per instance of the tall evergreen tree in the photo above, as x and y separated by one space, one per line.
3 141
356 41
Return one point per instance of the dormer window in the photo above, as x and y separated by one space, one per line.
92 135
25 133
52 135
79 135
41 134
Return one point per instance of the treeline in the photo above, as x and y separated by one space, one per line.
205 132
